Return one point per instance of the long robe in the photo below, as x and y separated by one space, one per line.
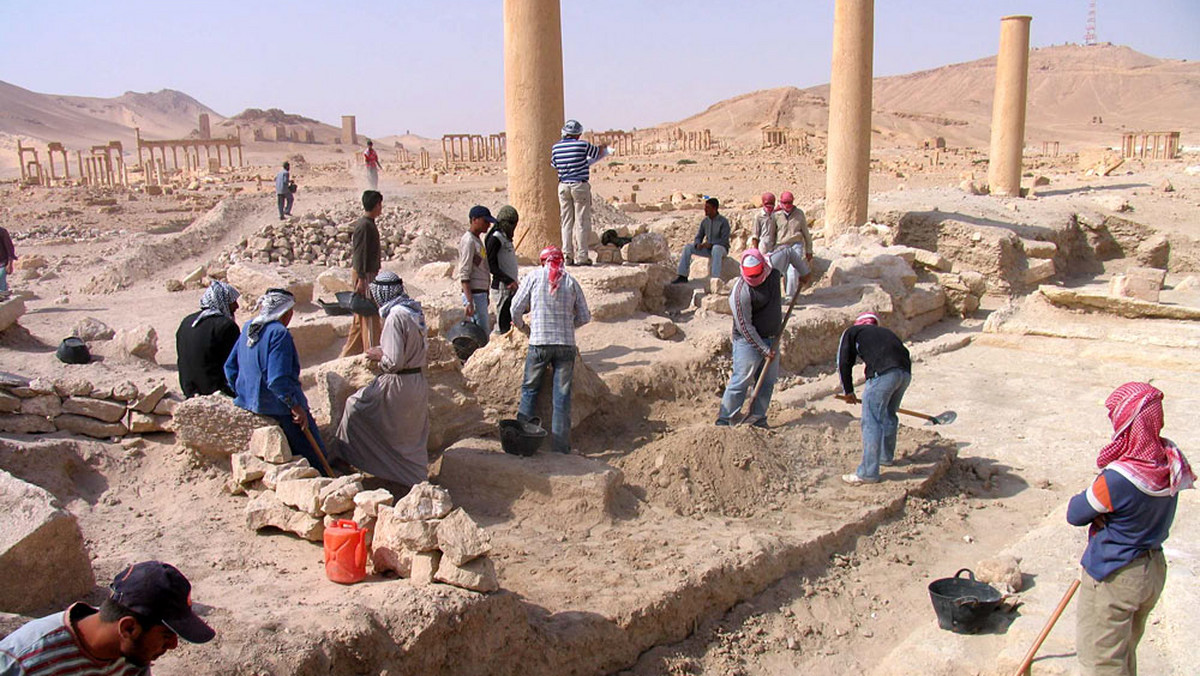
385 427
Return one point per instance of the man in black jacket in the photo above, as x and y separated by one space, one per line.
204 340
502 261
889 372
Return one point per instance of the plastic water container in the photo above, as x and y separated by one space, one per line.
345 552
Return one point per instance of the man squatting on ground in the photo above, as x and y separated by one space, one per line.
365 261
889 372
1129 509
572 157
712 241
147 611
472 268
502 261
264 372
557 306
283 191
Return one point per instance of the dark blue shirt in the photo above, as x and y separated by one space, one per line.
1125 522
266 377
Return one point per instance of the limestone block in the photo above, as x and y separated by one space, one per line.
47 405
384 559
477 575
336 380
608 253
975 281
424 501
42 552
125 392
296 469
1124 307
166 406
370 501
661 327
253 280
24 423
418 536
1140 283
338 495
435 271
1002 572
923 298
10 311
107 411
269 443
140 341
246 468
98 429
303 494
90 330
1113 203
72 387
461 539
267 511
424 567
718 304
148 423
31 262
647 247
1039 270
9 403
147 402
932 260
1039 249
334 280
1154 252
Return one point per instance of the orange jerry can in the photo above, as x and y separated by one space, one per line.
345 552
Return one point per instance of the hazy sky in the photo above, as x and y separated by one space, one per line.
436 66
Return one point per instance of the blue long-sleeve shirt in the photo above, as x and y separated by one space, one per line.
1125 522
266 377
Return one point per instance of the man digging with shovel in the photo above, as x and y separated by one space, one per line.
889 371
757 325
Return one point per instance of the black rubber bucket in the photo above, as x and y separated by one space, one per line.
521 438
963 605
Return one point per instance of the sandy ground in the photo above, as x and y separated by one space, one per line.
1030 418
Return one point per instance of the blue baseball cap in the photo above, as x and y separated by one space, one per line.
159 592
481 212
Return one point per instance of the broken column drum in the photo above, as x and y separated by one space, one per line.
848 157
1008 107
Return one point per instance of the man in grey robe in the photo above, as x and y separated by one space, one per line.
385 427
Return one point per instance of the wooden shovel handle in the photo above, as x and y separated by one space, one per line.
1062 605
905 411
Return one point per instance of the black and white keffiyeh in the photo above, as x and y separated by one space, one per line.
271 306
216 301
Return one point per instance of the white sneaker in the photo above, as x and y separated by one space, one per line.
856 480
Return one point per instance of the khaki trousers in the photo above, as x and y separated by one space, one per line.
359 325
575 212
1111 615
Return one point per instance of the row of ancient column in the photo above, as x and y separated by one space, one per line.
1155 145
191 152
472 148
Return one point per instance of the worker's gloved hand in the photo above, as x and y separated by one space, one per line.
300 416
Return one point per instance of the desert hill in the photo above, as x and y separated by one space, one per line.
1068 86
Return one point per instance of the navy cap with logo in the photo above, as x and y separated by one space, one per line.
159 592
481 212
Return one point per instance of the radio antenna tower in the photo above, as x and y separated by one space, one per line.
1089 36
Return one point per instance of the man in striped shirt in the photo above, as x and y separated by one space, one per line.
572 157
145 615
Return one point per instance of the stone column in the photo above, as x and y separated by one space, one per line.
848 156
533 116
1008 107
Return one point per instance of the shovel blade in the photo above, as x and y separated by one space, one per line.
944 418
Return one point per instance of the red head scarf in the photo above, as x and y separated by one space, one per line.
552 257
755 267
866 318
1155 465
768 202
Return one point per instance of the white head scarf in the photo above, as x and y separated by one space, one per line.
216 301
274 304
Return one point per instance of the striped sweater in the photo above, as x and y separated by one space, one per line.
49 647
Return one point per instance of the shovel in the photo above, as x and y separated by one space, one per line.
943 418
1023 670
749 403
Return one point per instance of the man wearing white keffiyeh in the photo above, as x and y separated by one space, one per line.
204 340
384 429
264 372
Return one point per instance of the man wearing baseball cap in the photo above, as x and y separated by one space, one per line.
148 610
472 270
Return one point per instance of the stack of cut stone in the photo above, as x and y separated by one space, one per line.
426 539
317 239
75 405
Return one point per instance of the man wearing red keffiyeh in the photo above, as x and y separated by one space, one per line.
1129 507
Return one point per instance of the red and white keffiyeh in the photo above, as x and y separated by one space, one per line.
1155 465
552 257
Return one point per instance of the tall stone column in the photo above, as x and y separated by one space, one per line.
533 117
848 156
1008 107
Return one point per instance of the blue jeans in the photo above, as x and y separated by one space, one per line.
717 254
285 203
747 365
480 301
562 359
4 277
299 443
880 401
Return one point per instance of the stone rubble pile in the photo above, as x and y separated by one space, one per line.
75 405
422 537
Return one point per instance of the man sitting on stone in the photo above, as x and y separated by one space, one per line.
147 611
385 427
765 225
793 233
264 372
204 340
712 241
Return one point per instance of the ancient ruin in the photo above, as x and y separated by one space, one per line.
848 156
1008 108
473 148
349 130
191 152
1151 145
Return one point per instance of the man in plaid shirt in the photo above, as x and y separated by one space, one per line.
557 308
